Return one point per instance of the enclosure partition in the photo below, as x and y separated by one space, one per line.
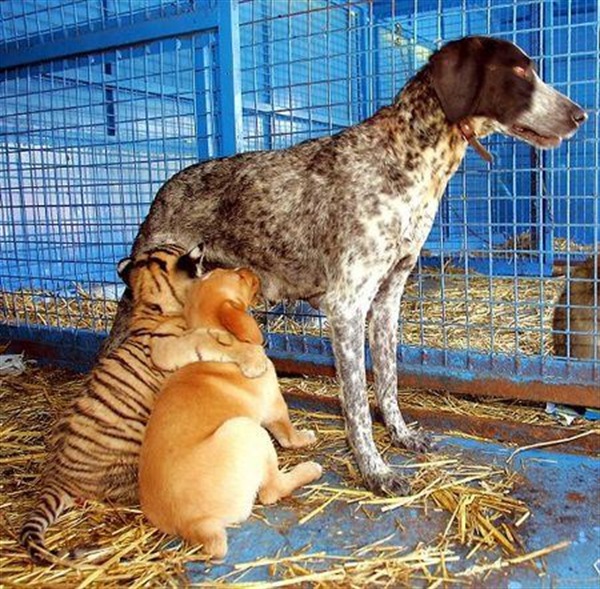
101 101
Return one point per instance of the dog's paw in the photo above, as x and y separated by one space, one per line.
388 484
415 440
254 364
216 547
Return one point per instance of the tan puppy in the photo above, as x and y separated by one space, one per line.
206 456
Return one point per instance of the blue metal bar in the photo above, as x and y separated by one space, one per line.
546 48
366 79
81 40
204 91
232 136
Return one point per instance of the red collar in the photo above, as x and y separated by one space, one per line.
469 135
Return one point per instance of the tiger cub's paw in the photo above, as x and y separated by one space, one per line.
253 362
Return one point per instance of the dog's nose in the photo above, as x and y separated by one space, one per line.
578 115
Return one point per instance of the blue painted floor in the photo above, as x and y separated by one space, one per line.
561 490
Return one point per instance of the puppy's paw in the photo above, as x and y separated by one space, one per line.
415 440
388 484
222 337
216 547
309 471
253 363
303 437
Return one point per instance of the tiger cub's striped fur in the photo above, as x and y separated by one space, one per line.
95 447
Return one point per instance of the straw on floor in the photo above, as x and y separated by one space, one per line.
477 498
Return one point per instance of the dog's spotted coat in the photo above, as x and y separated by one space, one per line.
340 220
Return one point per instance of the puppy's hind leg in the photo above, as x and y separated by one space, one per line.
281 484
210 532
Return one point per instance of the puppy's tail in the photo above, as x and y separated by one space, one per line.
51 504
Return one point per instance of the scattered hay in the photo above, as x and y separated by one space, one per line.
561 244
526 412
475 312
477 497
528 243
349 571
457 311
35 307
481 513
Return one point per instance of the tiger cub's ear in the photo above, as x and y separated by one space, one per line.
191 263
124 270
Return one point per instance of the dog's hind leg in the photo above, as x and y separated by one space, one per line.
383 339
347 323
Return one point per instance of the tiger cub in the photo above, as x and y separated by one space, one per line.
95 447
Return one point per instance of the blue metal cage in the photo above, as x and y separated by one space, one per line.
102 101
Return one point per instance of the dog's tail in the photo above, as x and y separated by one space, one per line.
51 504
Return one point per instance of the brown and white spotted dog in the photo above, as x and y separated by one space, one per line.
340 220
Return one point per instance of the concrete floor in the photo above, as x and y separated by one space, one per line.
561 490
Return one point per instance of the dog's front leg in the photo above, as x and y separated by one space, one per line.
383 339
348 337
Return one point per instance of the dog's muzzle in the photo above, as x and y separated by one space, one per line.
550 118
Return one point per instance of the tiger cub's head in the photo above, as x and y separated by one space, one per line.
159 278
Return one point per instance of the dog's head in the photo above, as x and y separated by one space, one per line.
492 78
226 294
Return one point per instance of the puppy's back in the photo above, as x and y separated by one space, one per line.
205 413
194 402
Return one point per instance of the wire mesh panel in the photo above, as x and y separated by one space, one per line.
87 141
23 22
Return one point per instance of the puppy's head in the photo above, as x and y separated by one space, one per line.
226 295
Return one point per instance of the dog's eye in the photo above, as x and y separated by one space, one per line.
522 72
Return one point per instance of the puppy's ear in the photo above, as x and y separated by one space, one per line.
457 72
234 319
191 263
124 270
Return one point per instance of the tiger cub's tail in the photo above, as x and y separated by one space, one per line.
51 504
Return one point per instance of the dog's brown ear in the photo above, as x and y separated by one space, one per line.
457 75
234 319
